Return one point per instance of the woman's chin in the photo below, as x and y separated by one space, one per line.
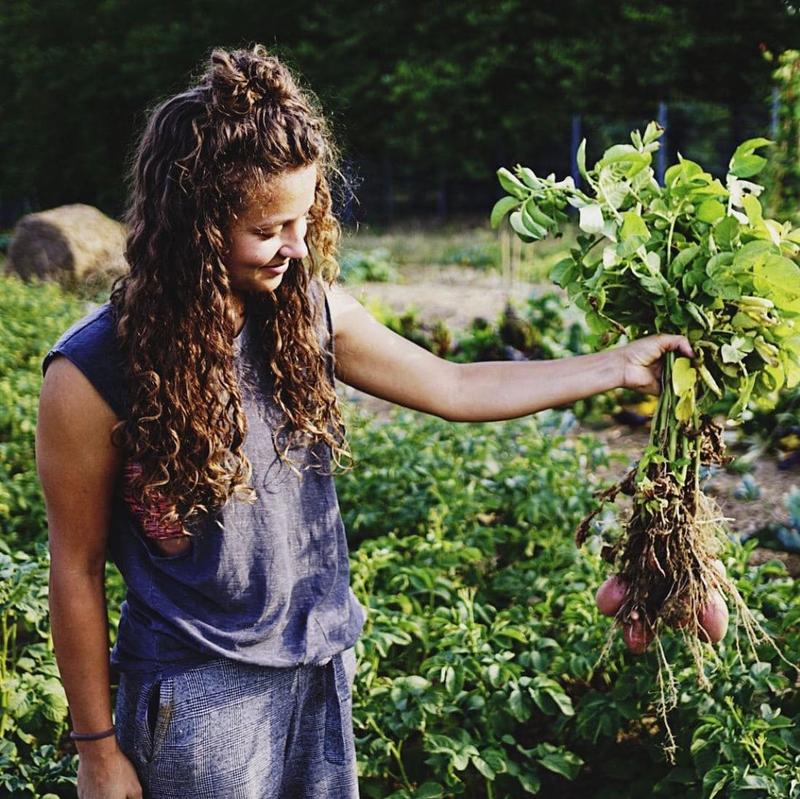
267 282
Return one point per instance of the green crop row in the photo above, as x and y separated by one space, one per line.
477 672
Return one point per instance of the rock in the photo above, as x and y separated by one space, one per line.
73 244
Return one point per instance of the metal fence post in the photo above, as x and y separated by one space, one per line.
661 153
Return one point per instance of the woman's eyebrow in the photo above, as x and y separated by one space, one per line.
273 222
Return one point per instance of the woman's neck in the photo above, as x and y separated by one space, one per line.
237 312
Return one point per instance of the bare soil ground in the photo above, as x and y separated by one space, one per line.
456 295
452 294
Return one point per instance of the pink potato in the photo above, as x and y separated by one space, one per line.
637 635
610 595
713 619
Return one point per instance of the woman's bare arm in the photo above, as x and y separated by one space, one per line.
78 467
376 360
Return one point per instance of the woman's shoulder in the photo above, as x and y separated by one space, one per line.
91 345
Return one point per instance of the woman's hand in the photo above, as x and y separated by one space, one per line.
642 362
104 775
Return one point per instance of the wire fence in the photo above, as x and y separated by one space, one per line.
390 191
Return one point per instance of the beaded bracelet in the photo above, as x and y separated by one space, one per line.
90 736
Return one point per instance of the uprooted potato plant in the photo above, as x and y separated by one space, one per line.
696 258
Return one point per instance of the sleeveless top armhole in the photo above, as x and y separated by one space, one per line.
90 345
331 354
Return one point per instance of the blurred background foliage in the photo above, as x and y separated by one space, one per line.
427 99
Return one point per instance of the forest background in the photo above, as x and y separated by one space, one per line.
427 99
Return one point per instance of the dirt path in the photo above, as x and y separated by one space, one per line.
456 295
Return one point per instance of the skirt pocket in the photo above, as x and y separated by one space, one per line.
154 711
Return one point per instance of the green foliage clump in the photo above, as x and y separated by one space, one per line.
783 194
357 266
33 705
478 255
32 316
478 669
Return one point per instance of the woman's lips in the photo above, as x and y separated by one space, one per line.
277 270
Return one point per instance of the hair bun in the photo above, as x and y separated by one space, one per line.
241 79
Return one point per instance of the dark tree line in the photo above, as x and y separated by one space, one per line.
443 92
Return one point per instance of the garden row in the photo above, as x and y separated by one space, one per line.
476 669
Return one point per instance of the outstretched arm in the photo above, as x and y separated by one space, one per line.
374 359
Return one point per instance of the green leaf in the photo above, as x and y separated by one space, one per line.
652 132
580 158
483 767
752 207
684 410
778 278
719 264
684 376
708 379
429 790
715 780
612 188
564 272
634 225
534 229
511 184
519 228
747 166
539 216
710 211
726 231
564 763
528 177
745 391
684 258
501 208
744 163
530 782
517 707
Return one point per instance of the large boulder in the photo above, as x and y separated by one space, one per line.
73 244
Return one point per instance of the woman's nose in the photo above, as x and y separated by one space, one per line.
295 248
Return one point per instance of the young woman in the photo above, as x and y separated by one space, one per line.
190 424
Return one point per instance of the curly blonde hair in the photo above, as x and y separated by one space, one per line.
204 154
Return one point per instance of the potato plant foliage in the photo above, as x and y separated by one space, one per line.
692 257
477 670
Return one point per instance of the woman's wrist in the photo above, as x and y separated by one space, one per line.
100 749
91 736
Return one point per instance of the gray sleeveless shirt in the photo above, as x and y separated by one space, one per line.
265 584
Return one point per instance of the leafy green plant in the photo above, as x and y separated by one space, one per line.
33 706
480 654
357 266
479 255
477 670
693 257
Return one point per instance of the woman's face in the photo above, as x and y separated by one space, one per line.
268 234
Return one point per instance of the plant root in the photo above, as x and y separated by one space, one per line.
668 556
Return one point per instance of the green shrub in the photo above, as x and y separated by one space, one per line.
357 266
32 316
